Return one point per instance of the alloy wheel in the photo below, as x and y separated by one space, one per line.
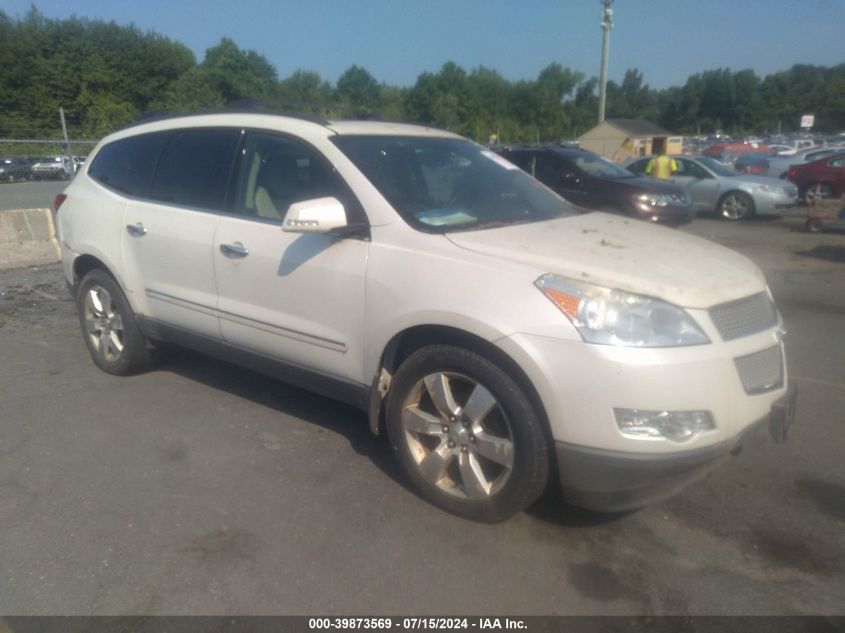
458 435
736 206
103 324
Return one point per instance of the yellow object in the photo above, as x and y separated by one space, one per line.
661 167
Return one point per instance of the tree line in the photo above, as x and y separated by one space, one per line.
105 75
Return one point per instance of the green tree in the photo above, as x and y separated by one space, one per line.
236 74
358 88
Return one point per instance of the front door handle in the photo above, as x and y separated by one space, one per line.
136 230
235 250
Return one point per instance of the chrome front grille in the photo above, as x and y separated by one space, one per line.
742 317
761 371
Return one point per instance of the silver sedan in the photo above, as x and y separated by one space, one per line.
713 186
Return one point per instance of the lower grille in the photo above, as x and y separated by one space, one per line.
742 317
761 371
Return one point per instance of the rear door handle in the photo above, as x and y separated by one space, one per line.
136 230
235 250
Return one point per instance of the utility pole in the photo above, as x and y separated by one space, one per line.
67 143
606 25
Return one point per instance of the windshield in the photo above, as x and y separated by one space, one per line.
441 184
601 167
720 169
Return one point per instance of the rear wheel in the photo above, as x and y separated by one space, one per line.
111 334
466 434
736 205
817 191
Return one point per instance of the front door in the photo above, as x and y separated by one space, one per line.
702 187
295 297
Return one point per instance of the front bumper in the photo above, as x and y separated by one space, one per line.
612 481
669 214
772 203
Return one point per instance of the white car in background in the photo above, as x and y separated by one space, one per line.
53 168
496 334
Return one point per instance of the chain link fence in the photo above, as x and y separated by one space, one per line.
24 160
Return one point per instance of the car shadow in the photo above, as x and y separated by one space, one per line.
331 415
551 507
758 219
828 252
345 421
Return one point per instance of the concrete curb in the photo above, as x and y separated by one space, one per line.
27 238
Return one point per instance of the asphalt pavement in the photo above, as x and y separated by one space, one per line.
203 488
29 195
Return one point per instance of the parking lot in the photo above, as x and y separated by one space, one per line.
202 488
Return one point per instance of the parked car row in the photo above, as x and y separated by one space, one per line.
700 184
18 169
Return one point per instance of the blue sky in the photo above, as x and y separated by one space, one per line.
398 39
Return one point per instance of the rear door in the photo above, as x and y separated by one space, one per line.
294 297
168 236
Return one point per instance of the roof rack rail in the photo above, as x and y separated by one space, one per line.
293 109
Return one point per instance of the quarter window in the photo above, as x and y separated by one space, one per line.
194 168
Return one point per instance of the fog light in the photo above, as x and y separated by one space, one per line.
677 426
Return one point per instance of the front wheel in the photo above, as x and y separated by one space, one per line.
111 334
466 434
736 205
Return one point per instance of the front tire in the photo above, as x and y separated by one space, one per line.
466 434
108 325
736 205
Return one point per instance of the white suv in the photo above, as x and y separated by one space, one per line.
498 336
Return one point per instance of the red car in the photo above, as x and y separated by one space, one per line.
824 178
729 152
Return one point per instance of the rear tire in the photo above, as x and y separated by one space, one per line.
108 325
466 434
817 191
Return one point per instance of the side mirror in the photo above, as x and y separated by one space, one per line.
320 215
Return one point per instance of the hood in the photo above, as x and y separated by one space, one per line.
625 254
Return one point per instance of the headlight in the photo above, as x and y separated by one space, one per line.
652 199
612 317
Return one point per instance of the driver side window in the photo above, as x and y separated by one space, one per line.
276 171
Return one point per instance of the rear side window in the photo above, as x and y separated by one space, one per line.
194 168
128 165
